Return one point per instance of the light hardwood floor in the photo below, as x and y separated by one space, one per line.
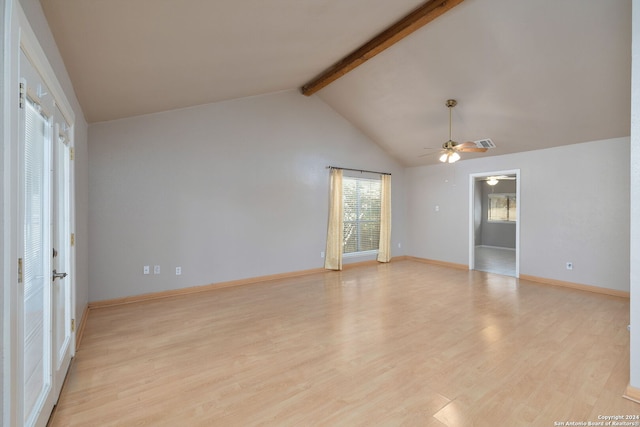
404 343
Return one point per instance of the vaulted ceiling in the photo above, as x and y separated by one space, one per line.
527 74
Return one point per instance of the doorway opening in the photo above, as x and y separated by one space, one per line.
494 222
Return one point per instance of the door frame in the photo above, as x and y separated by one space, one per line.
473 181
61 176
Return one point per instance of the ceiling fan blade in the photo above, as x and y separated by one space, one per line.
469 147
464 145
471 150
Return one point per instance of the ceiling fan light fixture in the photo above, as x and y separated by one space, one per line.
492 181
449 157
451 148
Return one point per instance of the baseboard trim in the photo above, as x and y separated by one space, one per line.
632 394
81 326
222 285
579 286
440 263
197 289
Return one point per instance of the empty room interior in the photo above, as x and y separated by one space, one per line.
320 213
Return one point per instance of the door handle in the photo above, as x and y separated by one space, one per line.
57 275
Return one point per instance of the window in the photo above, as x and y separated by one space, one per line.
502 207
361 207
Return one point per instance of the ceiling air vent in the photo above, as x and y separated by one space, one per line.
485 143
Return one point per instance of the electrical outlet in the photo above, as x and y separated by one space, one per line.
322 254
569 266
145 269
178 271
156 269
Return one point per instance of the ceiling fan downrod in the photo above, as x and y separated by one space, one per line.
450 104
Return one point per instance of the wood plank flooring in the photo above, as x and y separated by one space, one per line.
399 344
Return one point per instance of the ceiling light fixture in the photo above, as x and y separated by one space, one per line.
450 155
492 180
450 149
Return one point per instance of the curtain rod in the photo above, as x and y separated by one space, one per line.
358 170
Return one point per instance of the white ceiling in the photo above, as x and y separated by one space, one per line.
527 74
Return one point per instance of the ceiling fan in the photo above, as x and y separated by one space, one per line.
451 148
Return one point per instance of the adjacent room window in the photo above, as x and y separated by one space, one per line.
502 207
361 213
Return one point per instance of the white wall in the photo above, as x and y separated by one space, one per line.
35 15
226 191
635 200
574 204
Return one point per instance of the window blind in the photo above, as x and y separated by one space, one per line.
502 208
361 207
35 278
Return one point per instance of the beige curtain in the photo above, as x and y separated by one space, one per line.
384 250
333 256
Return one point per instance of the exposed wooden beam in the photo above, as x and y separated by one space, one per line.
396 32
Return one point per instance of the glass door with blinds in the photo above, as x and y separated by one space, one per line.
44 290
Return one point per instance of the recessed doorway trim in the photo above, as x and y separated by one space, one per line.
473 181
